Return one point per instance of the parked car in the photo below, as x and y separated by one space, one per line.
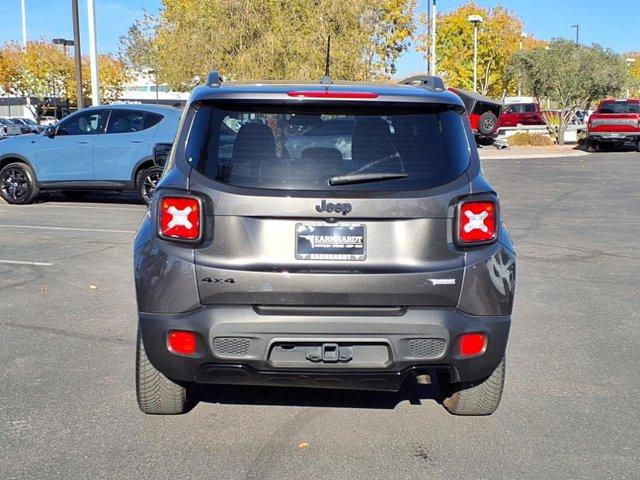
615 123
520 114
30 125
48 120
309 269
109 147
9 127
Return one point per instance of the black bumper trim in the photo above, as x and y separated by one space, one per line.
244 375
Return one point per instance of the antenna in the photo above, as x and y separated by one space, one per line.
327 79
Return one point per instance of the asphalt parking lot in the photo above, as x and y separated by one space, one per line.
570 408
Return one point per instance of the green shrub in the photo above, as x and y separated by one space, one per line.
525 139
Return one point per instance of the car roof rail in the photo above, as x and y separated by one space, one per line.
431 82
213 79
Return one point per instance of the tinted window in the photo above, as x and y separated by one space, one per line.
261 148
151 120
125 121
620 107
85 123
523 108
129 121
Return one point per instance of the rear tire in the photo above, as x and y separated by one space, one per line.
156 394
18 184
638 146
479 398
147 182
487 123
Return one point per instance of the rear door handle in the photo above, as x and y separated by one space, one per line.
136 141
85 141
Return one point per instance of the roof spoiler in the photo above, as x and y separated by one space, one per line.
213 79
424 81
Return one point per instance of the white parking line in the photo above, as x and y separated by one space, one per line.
15 262
71 229
141 208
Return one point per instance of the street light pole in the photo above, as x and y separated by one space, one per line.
65 44
475 57
23 6
577 27
24 23
77 53
428 55
433 38
93 53
522 37
476 20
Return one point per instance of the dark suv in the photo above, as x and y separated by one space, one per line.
371 261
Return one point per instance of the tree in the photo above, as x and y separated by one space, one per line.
635 73
113 77
43 71
573 76
138 47
390 24
499 37
270 39
38 72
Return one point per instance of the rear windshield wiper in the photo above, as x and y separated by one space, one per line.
364 178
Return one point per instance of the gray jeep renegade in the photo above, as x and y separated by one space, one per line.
328 235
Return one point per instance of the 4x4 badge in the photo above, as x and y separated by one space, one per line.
343 208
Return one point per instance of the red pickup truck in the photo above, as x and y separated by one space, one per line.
615 123
516 114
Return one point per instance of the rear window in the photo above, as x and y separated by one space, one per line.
294 147
522 108
151 120
619 107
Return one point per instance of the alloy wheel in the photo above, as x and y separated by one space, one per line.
15 184
149 183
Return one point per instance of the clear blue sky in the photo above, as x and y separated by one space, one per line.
614 24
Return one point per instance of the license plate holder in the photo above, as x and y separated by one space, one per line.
326 241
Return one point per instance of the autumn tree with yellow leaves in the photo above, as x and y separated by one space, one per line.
500 36
43 71
38 71
634 88
270 39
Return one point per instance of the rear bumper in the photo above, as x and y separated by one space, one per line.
613 136
243 345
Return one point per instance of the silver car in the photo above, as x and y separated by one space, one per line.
29 124
8 127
